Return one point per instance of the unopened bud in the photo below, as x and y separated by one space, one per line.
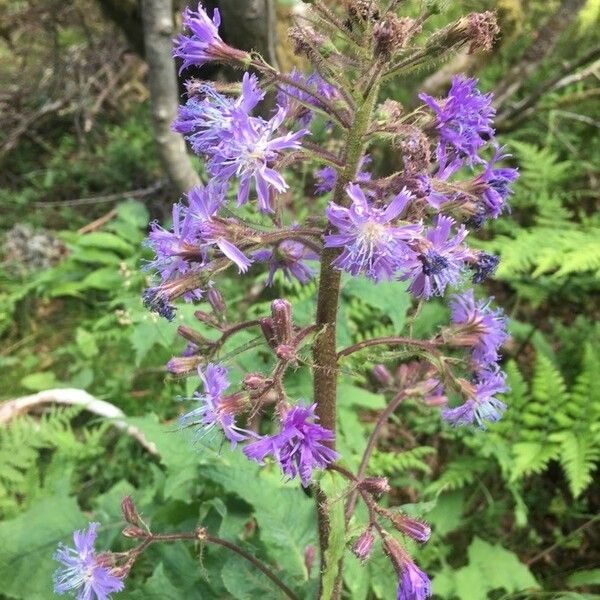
179 365
363 545
129 511
393 33
286 352
483 29
281 313
216 300
362 10
376 485
134 532
193 336
417 530
266 326
382 375
254 381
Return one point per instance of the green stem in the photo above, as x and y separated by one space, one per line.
324 351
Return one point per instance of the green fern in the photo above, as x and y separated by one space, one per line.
21 476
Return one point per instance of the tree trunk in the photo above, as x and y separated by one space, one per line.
157 18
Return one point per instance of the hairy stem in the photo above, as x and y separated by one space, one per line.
324 350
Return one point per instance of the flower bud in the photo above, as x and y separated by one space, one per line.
484 266
281 313
286 352
376 485
134 532
362 10
193 336
129 511
382 375
266 326
393 33
417 530
216 300
179 365
254 381
363 545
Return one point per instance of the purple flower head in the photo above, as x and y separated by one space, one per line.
485 266
440 260
204 44
156 302
216 409
482 406
176 251
206 121
327 176
497 183
463 120
298 447
289 256
204 202
485 328
83 572
248 153
414 583
371 244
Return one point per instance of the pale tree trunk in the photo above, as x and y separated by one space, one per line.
157 17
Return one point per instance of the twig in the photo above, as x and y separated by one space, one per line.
139 193
98 223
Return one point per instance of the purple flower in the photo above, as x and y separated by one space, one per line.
327 176
207 121
371 244
298 447
497 182
204 202
483 406
485 266
440 259
485 328
156 302
363 545
289 256
463 120
216 409
248 153
414 583
176 251
204 44
83 572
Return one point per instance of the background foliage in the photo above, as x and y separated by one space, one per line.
514 509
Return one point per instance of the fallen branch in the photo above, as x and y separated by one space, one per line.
11 409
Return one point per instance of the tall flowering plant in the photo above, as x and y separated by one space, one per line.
410 225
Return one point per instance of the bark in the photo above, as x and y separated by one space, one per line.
164 95
543 46
250 25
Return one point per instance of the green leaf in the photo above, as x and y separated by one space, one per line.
151 332
28 542
589 577
106 278
86 343
491 567
39 381
390 297
133 212
285 516
350 395
105 241
245 582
